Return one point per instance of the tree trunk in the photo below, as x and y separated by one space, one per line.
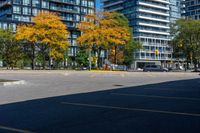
99 58
33 58
65 65
43 56
115 59
89 55
195 65
43 62
49 59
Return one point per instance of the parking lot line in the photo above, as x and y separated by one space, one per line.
154 96
10 129
130 109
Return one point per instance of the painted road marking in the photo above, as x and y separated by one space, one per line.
14 129
153 96
130 109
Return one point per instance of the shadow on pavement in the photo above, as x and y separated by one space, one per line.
169 107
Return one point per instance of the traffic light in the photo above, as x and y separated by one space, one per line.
180 44
190 55
156 52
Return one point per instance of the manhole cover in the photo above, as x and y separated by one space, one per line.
118 85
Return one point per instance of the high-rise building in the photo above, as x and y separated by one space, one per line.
191 9
13 12
175 10
150 20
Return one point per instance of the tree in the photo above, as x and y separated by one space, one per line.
48 33
129 46
186 39
108 30
10 50
26 33
82 57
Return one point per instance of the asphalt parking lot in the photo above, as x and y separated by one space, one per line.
118 102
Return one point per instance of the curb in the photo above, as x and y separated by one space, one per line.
21 82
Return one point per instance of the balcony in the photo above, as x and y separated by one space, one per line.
153 19
153 5
153 32
153 12
65 1
61 9
162 1
113 3
153 25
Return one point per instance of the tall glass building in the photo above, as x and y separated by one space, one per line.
150 20
13 12
175 10
192 9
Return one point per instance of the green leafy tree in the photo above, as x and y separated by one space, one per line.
106 30
131 45
186 40
82 57
11 51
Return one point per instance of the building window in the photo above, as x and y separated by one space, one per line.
36 3
12 26
16 1
17 17
45 4
77 2
35 11
91 4
83 10
90 11
26 2
17 9
77 18
26 11
84 2
4 25
26 19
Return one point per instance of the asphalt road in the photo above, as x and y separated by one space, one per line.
92 102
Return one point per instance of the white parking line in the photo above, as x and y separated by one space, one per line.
14 129
131 109
153 96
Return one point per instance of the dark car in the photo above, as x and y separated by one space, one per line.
154 68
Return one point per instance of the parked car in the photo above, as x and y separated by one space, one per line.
154 68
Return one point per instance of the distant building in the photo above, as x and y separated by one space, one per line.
151 22
175 10
191 9
13 12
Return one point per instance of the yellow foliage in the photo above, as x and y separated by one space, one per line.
101 29
119 55
47 30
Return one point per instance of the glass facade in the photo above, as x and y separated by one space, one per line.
72 12
192 9
150 20
175 10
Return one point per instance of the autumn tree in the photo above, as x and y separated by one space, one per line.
186 40
47 33
108 30
26 33
10 51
